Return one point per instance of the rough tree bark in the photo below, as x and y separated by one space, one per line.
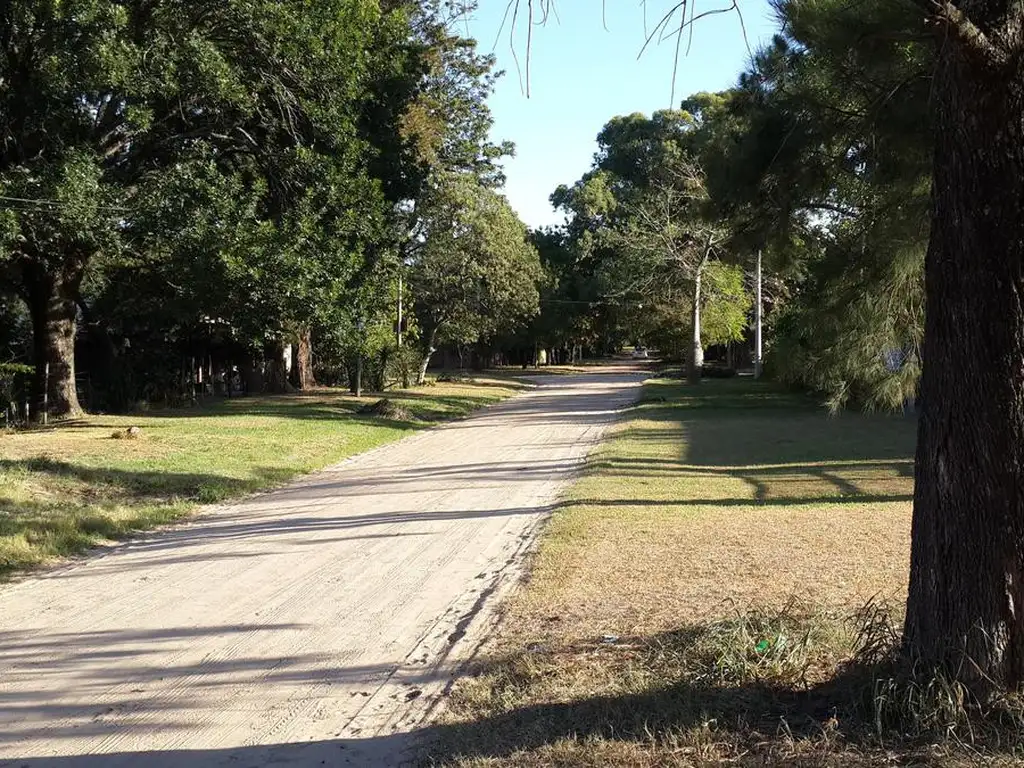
52 295
302 361
965 609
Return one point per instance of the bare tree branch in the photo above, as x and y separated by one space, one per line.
660 30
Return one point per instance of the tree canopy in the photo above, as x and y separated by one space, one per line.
223 180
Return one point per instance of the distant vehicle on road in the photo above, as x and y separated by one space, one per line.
640 353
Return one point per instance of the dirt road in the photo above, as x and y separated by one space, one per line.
318 624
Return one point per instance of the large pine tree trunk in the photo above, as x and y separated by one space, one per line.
965 611
51 295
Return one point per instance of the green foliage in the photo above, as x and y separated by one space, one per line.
15 332
448 122
835 143
727 304
474 272
13 385
646 231
215 178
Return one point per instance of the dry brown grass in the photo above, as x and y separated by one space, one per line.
695 508
698 598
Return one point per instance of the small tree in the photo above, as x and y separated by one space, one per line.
473 272
667 239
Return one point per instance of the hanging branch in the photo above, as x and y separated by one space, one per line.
663 30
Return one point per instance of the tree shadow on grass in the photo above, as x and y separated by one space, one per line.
423 405
778 446
85 506
146 486
751 725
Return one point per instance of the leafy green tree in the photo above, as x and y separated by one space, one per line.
473 271
665 239
448 122
726 312
826 166
447 126
99 100
646 217
956 111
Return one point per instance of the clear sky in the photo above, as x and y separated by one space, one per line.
582 75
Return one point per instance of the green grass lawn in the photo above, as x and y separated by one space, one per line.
65 489
720 587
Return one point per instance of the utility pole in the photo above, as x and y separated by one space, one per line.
758 309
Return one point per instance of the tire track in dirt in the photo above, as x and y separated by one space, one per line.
319 622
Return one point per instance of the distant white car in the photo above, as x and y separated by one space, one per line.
640 353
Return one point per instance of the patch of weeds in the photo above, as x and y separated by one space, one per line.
387 409
783 687
453 378
902 699
792 646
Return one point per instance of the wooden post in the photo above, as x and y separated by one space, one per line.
758 309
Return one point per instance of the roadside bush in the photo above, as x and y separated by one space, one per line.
14 387
713 371
453 378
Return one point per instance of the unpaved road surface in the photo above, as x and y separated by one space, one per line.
318 624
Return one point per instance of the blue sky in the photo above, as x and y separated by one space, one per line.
582 75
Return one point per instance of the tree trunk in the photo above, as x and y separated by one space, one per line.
301 376
52 304
277 368
251 370
428 353
965 609
403 361
696 357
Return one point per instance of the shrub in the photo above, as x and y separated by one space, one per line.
14 385
714 371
